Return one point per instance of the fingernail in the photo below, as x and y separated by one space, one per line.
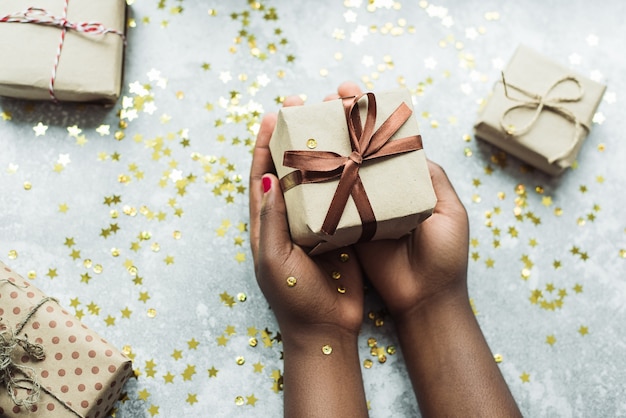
267 184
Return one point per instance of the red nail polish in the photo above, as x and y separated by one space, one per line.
267 184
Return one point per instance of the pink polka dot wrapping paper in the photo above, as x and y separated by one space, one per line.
82 375
62 50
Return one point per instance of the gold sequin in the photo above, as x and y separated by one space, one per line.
239 400
253 342
391 350
152 313
327 349
27 185
240 360
367 363
344 257
498 358
291 281
311 143
336 275
341 290
382 358
242 297
371 342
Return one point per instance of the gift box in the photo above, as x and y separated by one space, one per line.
50 363
540 111
360 170
65 50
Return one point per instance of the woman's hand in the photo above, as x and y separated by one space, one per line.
306 293
318 301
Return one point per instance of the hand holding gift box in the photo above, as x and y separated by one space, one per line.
352 182
540 112
50 363
64 50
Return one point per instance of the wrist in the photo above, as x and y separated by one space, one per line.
444 305
311 338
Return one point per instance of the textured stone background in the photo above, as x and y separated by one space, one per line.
165 279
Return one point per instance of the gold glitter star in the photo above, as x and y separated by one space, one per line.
230 330
525 377
251 400
169 260
52 273
258 367
189 372
144 296
168 377
252 331
193 344
583 330
177 354
578 288
191 398
126 312
212 371
74 302
63 208
110 321
153 410
489 262
551 339
222 340
75 254
143 394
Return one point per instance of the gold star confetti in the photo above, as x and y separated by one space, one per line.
525 377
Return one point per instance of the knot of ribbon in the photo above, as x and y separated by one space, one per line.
16 376
39 16
539 102
367 145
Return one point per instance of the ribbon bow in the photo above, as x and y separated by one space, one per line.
541 102
9 342
39 16
367 145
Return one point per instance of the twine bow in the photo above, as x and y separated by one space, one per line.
540 102
39 16
367 145
9 342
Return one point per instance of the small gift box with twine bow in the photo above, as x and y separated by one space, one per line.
62 50
540 111
352 170
51 365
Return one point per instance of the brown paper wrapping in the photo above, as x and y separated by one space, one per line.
81 369
398 187
90 66
553 142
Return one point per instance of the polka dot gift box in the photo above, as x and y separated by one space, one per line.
50 363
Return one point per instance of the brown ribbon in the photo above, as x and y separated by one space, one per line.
367 145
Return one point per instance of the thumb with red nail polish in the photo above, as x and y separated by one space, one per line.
274 227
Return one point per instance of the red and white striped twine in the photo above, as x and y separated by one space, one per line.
40 16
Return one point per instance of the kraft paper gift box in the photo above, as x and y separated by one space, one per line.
541 112
80 374
89 61
316 140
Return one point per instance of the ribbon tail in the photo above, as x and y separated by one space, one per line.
340 198
366 212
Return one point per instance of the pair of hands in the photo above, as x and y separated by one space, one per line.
405 272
